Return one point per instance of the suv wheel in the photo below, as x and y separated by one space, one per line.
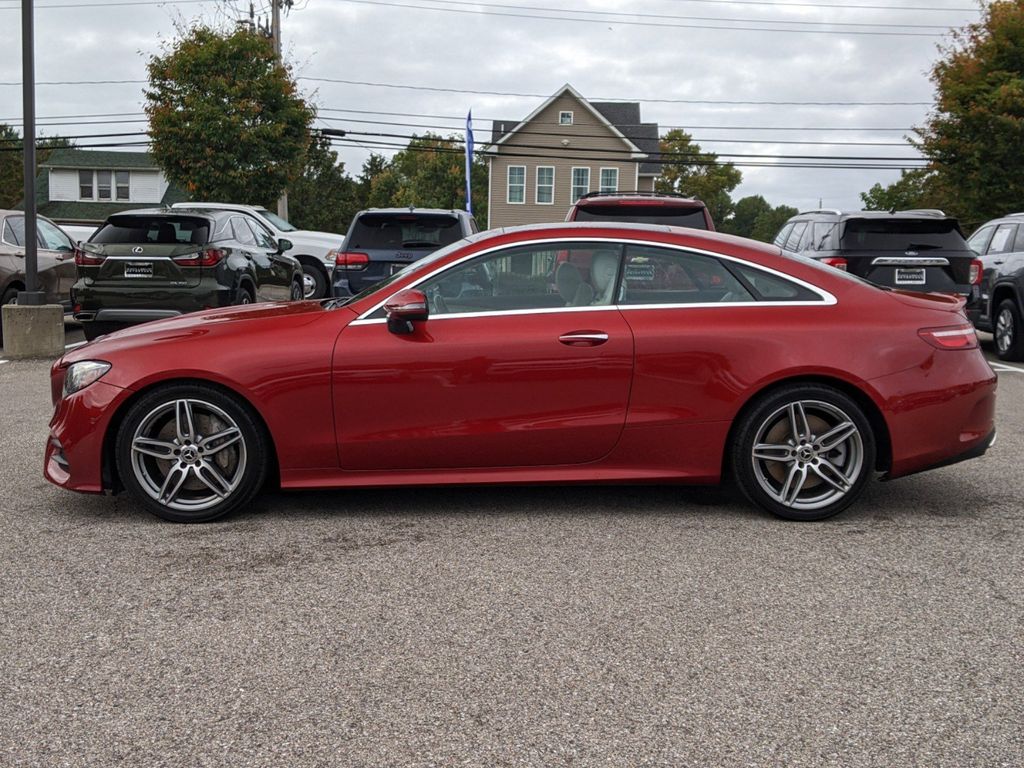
297 293
1007 331
314 283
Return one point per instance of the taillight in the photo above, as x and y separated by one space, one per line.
83 259
207 258
835 261
950 337
976 269
350 260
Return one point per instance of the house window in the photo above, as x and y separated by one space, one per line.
545 185
516 184
609 179
565 118
121 181
85 191
580 183
103 185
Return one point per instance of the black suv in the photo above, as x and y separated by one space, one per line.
1000 244
642 208
382 241
921 250
149 264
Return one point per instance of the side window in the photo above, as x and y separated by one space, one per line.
780 239
771 287
1002 240
14 230
263 237
823 236
242 232
1019 246
806 240
979 240
667 276
52 238
547 276
794 237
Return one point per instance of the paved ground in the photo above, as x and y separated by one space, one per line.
523 627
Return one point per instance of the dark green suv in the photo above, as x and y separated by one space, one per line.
151 264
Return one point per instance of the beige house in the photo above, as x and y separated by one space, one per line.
564 149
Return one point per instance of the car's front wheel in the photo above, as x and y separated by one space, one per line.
314 283
192 453
1007 331
803 452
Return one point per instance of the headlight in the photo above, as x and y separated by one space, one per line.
81 375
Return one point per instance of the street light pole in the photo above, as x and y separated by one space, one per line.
31 296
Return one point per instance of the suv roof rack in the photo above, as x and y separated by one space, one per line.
836 211
640 193
1018 213
924 211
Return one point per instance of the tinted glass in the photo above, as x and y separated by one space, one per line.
241 231
14 230
794 237
528 277
901 235
640 214
1019 245
824 236
263 237
666 276
1002 240
166 230
408 231
979 240
783 235
771 287
51 238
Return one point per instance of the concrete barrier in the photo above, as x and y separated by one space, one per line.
33 331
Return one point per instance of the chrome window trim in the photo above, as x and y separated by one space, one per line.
827 299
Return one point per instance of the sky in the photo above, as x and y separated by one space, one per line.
681 59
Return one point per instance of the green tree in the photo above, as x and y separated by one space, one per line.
689 171
324 197
226 119
428 173
12 162
975 133
768 223
919 188
744 215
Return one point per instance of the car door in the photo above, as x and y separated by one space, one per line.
508 371
999 259
257 258
60 253
281 266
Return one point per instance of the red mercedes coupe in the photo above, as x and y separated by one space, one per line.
563 353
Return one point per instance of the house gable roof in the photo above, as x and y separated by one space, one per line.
91 158
499 134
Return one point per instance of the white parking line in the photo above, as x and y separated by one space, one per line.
76 344
3 361
1004 368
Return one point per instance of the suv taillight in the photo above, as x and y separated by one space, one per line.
951 337
835 261
205 258
83 259
976 269
350 260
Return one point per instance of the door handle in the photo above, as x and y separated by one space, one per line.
583 338
999 261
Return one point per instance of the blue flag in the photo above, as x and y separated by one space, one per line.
469 162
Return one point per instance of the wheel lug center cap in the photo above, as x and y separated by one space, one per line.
189 454
805 453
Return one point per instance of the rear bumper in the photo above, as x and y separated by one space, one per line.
971 453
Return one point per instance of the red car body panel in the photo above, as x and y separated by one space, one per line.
499 399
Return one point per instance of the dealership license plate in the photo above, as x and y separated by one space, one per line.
138 269
910 276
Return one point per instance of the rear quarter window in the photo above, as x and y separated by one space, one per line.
769 287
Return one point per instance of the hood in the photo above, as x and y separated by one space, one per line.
248 321
326 240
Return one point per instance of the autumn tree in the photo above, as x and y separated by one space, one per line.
226 119
12 162
688 170
974 136
324 197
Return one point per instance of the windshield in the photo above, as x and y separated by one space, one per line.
644 214
902 235
279 223
391 231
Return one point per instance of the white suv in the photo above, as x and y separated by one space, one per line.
310 248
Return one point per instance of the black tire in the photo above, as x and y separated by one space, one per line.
176 471
244 295
826 478
296 291
10 297
1007 331
316 288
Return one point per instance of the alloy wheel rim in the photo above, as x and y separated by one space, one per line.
807 455
308 285
188 455
1004 330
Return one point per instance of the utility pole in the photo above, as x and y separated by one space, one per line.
275 32
31 296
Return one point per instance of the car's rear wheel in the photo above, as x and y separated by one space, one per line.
244 295
803 452
191 453
297 292
1007 331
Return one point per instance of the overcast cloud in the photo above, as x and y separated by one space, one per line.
373 42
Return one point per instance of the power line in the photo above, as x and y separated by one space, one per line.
44 6
731 28
839 7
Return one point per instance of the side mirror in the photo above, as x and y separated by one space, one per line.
283 245
405 308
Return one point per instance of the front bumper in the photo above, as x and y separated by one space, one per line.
74 449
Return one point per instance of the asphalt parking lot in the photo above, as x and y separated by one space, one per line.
652 626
